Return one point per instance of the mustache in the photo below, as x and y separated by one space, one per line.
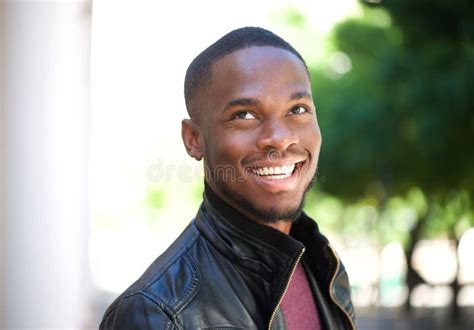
273 155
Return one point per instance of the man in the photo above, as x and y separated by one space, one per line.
251 259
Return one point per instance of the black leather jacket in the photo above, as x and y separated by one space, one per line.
222 274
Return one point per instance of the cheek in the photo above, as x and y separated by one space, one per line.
311 138
228 147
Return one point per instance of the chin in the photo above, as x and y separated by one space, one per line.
269 213
275 215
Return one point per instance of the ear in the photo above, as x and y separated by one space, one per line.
192 139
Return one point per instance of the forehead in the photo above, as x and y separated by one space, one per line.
257 64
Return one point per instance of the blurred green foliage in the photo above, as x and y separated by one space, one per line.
401 117
396 110
156 196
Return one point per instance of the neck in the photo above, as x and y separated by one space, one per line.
283 226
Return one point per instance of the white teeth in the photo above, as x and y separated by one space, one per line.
278 176
277 172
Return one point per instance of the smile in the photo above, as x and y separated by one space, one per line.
275 172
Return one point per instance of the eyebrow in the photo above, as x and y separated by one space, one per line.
242 102
300 95
251 102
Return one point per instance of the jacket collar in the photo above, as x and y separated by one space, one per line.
250 228
269 253
255 245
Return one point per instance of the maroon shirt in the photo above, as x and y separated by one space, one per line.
298 304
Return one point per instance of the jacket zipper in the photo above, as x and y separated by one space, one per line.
286 287
331 284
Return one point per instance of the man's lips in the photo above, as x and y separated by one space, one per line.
275 171
273 158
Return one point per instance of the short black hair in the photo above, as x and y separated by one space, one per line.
199 73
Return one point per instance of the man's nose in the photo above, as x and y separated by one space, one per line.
275 134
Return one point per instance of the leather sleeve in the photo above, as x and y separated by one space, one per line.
136 312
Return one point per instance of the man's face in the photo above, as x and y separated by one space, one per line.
260 133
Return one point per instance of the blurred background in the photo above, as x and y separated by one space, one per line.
96 183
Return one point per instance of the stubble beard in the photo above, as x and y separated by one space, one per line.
266 216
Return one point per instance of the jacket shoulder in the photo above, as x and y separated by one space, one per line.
136 311
161 292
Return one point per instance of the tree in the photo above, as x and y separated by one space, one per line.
402 116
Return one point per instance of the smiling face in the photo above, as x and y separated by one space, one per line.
258 133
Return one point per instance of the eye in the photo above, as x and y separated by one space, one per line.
243 115
298 110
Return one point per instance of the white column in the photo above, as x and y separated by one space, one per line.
45 116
